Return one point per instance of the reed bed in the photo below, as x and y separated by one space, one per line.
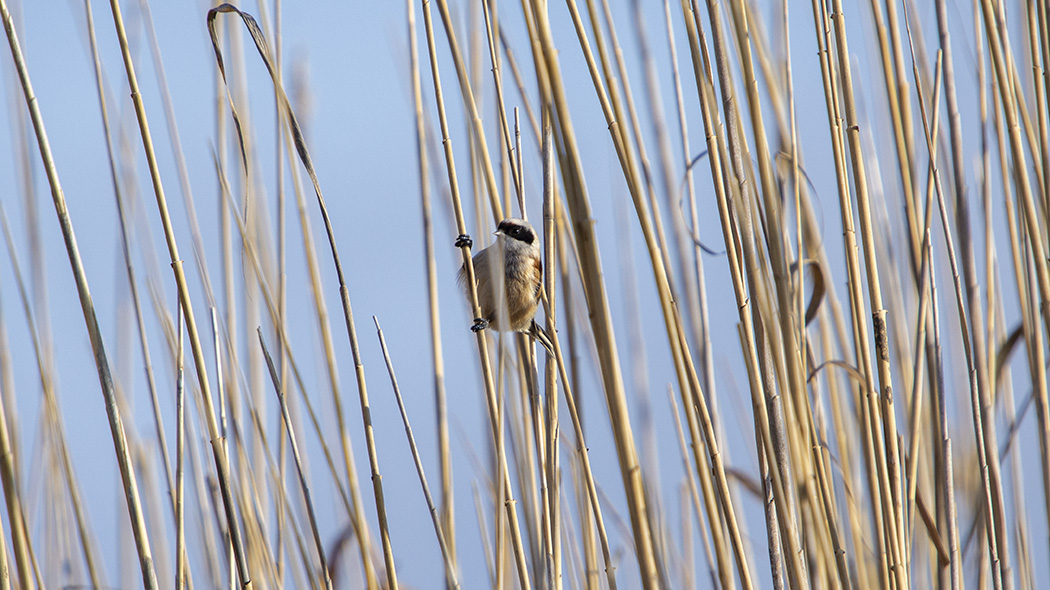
796 284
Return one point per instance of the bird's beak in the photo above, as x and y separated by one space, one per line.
497 232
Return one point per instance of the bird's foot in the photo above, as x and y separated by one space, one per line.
479 325
464 241
539 335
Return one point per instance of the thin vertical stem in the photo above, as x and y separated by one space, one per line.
120 443
298 461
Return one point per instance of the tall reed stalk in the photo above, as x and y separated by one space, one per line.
836 288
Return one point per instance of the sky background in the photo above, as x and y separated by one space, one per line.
352 58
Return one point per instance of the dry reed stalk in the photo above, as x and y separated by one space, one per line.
916 401
1044 36
687 297
1040 151
717 151
529 449
996 44
823 34
280 265
520 161
275 378
885 477
588 528
343 291
20 539
220 456
983 420
550 420
450 567
1033 335
699 307
52 415
946 442
8 457
798 408
224 431
520 84
986 429
916 421
468 264
552 460
601 320
228 270
176 147
1021 524
504 493
980 352
477 132
350 501
248 390
898 100
516 178
787 511
886 454
669 186
694 493
634 141
672 322
1027 288
793 153
525 420
773 536
797 357
355 511
226 238
88 309
613 103
881 453
181 567
448 525
206 529
132 281
126 251
5 572
592 491
261 558
630 164
256 533
720 146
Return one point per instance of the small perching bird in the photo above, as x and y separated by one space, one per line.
508 305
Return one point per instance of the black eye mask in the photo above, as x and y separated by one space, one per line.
518 232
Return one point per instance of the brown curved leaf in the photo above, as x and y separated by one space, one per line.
1006 350
850 369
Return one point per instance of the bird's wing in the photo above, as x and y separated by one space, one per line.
538 269
481 261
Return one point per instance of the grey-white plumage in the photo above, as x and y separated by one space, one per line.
508 304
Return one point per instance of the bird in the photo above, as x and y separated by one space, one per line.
508 305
